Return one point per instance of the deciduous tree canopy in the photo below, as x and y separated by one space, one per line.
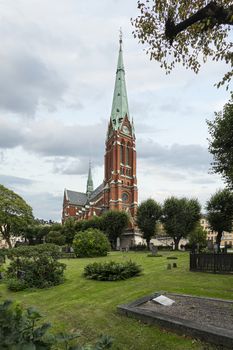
220 213
148 213
180 216
15 213
221 142
186 31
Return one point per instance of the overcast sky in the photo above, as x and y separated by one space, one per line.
57 70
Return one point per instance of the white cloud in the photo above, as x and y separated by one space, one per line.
57 66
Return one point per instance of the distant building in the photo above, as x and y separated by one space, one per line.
227 237
118 190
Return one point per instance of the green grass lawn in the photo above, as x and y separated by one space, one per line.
90 306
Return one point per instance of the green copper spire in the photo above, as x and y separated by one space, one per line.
120 102
89 181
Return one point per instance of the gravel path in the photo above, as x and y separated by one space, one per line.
202 311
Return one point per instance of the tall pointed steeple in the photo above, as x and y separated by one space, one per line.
120 101
89 182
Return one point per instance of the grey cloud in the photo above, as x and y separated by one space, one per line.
11 134
53 139
184 157
75 167
204 181
8 180
27 82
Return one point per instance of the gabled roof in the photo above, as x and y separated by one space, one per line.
77 198
80 198
97 191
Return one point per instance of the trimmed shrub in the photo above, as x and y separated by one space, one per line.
112 271
154 256
91 243
139 248
40 272
34 266
50 250
16 285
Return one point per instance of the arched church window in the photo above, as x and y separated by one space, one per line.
122 156
127 155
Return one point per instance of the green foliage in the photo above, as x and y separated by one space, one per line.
112 271
16 284
138 247
55 237
220 143
48 249
36 232
197 237
91 243
220 213
15 214
180 216
39 272
148 214
95 222
186 32
35 266
19 331
114 224
69 230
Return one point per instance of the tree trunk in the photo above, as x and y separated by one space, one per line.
148 243
218 241
6 235
176 241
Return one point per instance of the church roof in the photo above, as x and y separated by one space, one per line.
120 101
80 198
77 198
97 191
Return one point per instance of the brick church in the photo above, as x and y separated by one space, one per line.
119 188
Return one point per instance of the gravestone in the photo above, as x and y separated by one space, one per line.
210 245
154 250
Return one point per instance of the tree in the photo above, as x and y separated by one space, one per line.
91 243
186 31
197 237
148 214
69 230
55 235
114 223
36 232
220 143
220 213
15 214
180 216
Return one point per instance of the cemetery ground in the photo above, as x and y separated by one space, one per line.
89 307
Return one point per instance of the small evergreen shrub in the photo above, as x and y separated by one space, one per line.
112 271
154 256
16 285
91 243
139 247
48 249
19 330
34 267
40 272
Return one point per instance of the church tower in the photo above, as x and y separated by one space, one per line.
120 182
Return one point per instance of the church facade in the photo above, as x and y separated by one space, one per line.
118 190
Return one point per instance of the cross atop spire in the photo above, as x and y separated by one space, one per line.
120 101
120 39
89 181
